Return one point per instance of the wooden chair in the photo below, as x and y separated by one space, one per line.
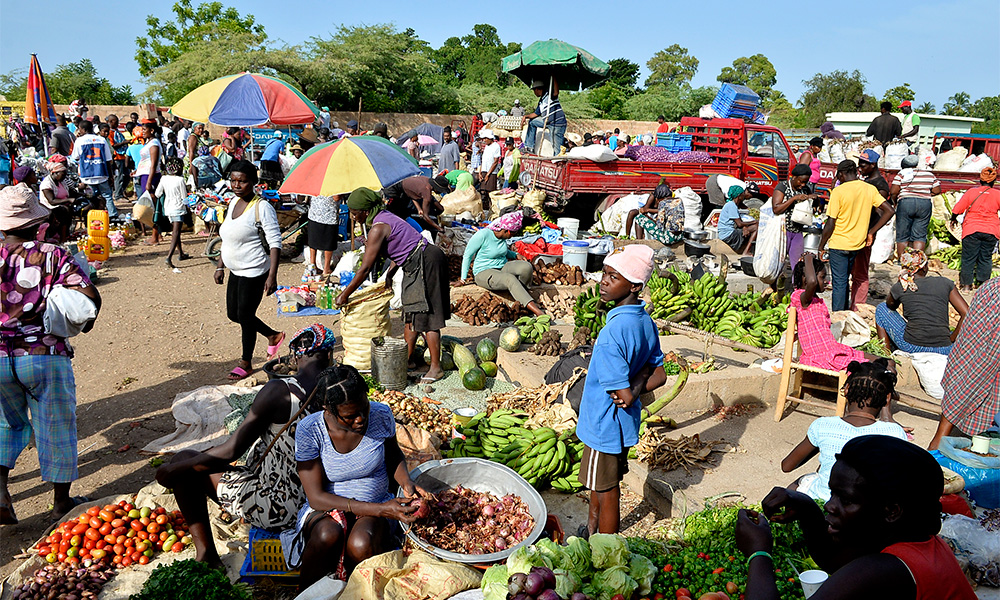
796 378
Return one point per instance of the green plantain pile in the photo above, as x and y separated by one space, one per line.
532 328
668 296
711 301
541 456
951 257
590 312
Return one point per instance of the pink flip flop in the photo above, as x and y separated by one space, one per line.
272 351
239 373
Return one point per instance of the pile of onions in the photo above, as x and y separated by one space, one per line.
64 581
660 154
469 522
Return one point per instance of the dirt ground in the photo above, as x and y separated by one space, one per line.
161 333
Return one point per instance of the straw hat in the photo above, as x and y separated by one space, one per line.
309 135
576 138
19 207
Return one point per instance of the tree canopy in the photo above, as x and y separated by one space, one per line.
958 105
756 72
898 94
673 65
623 73
833 92
69 82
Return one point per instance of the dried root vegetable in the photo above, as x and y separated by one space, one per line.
550 344
469 522
485 310
560 304
422 413
557 273
658 450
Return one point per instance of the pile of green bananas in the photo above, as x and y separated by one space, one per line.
532 328
669 299
761 330
711 301
590 312
951 257
541 456
938 228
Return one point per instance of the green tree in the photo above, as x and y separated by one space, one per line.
898 94
756 72
671 101
475 58
986 108
832 92
623 73
672 65
781 113
164 42
958 105
80 80
609 100
14 84
925 109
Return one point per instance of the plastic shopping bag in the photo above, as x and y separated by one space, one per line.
772 249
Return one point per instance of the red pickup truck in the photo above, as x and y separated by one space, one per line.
747 151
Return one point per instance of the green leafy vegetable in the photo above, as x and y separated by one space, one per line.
609 550
553 551
643 571
567 582
494 583
190 580
525 557
578 552
614 580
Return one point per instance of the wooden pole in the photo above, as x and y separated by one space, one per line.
359 112
698 334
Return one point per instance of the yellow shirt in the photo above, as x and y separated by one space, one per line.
851 204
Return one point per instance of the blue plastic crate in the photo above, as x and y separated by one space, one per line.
735 93
266 559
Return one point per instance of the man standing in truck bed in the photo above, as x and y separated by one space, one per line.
885 127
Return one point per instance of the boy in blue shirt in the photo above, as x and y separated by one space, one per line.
627 362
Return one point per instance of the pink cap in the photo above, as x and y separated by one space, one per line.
634 262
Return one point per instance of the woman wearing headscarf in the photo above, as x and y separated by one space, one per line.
980 229
425 295
972 378
911 192
53 189
253 268
37 389
924 326
494 265
667 223
197 144
786 195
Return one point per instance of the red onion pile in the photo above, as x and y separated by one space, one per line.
660 154
64 581
470 522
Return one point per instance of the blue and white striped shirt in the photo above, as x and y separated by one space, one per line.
556 115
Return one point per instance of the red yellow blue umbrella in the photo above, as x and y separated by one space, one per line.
350 163
246 100
37 103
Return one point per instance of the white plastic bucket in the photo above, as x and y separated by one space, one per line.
575 253
570 227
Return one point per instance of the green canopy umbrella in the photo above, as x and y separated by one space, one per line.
571 67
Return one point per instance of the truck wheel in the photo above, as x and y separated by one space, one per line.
213 249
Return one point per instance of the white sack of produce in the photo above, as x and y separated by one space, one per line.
771 251
925 159
614 218
951 160
975 164
594 152
707 112
534 199
460 201
894 155
500 201
884 242
836 151
930 371
692 208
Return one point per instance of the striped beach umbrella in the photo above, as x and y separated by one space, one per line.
349 163
246 100
37 103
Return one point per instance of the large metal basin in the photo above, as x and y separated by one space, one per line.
481 476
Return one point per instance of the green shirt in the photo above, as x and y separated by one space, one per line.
490 251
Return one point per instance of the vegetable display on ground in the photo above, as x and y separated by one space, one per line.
469 522
590 312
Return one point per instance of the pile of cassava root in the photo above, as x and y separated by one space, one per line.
485 310
558 274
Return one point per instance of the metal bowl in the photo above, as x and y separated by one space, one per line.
481 476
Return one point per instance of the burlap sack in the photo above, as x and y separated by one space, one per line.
366 316
460 201
419 576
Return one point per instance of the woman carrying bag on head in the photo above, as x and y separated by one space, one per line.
426 293
251 245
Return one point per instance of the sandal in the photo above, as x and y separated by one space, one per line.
184 256
239 373
272 351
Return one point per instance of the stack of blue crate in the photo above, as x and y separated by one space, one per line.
735 101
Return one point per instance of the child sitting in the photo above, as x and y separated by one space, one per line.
630 363
869 389
734 231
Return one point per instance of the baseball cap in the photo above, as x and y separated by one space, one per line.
905 103
869 156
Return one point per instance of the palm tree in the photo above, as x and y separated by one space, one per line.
958 105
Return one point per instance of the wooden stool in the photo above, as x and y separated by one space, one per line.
787 368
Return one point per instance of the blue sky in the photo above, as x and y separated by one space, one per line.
890 43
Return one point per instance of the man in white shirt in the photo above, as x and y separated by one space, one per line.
490 165
517 110
93 156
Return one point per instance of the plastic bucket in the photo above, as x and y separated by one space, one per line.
570 227
575 254
389 357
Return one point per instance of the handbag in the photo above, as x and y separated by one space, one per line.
260 228
802 213
67 312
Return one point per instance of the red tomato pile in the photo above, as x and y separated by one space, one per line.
118 534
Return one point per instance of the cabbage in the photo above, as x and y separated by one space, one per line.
525 557
576 555
609 550
613 581
567 582
494 583
643 571
553 551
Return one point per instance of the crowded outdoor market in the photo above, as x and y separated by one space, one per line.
504 356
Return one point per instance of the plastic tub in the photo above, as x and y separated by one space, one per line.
595 261
482 476
575 253
570 227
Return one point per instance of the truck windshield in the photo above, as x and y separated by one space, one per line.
766 143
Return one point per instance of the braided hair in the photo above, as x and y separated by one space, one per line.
340 384
799 273
870 384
